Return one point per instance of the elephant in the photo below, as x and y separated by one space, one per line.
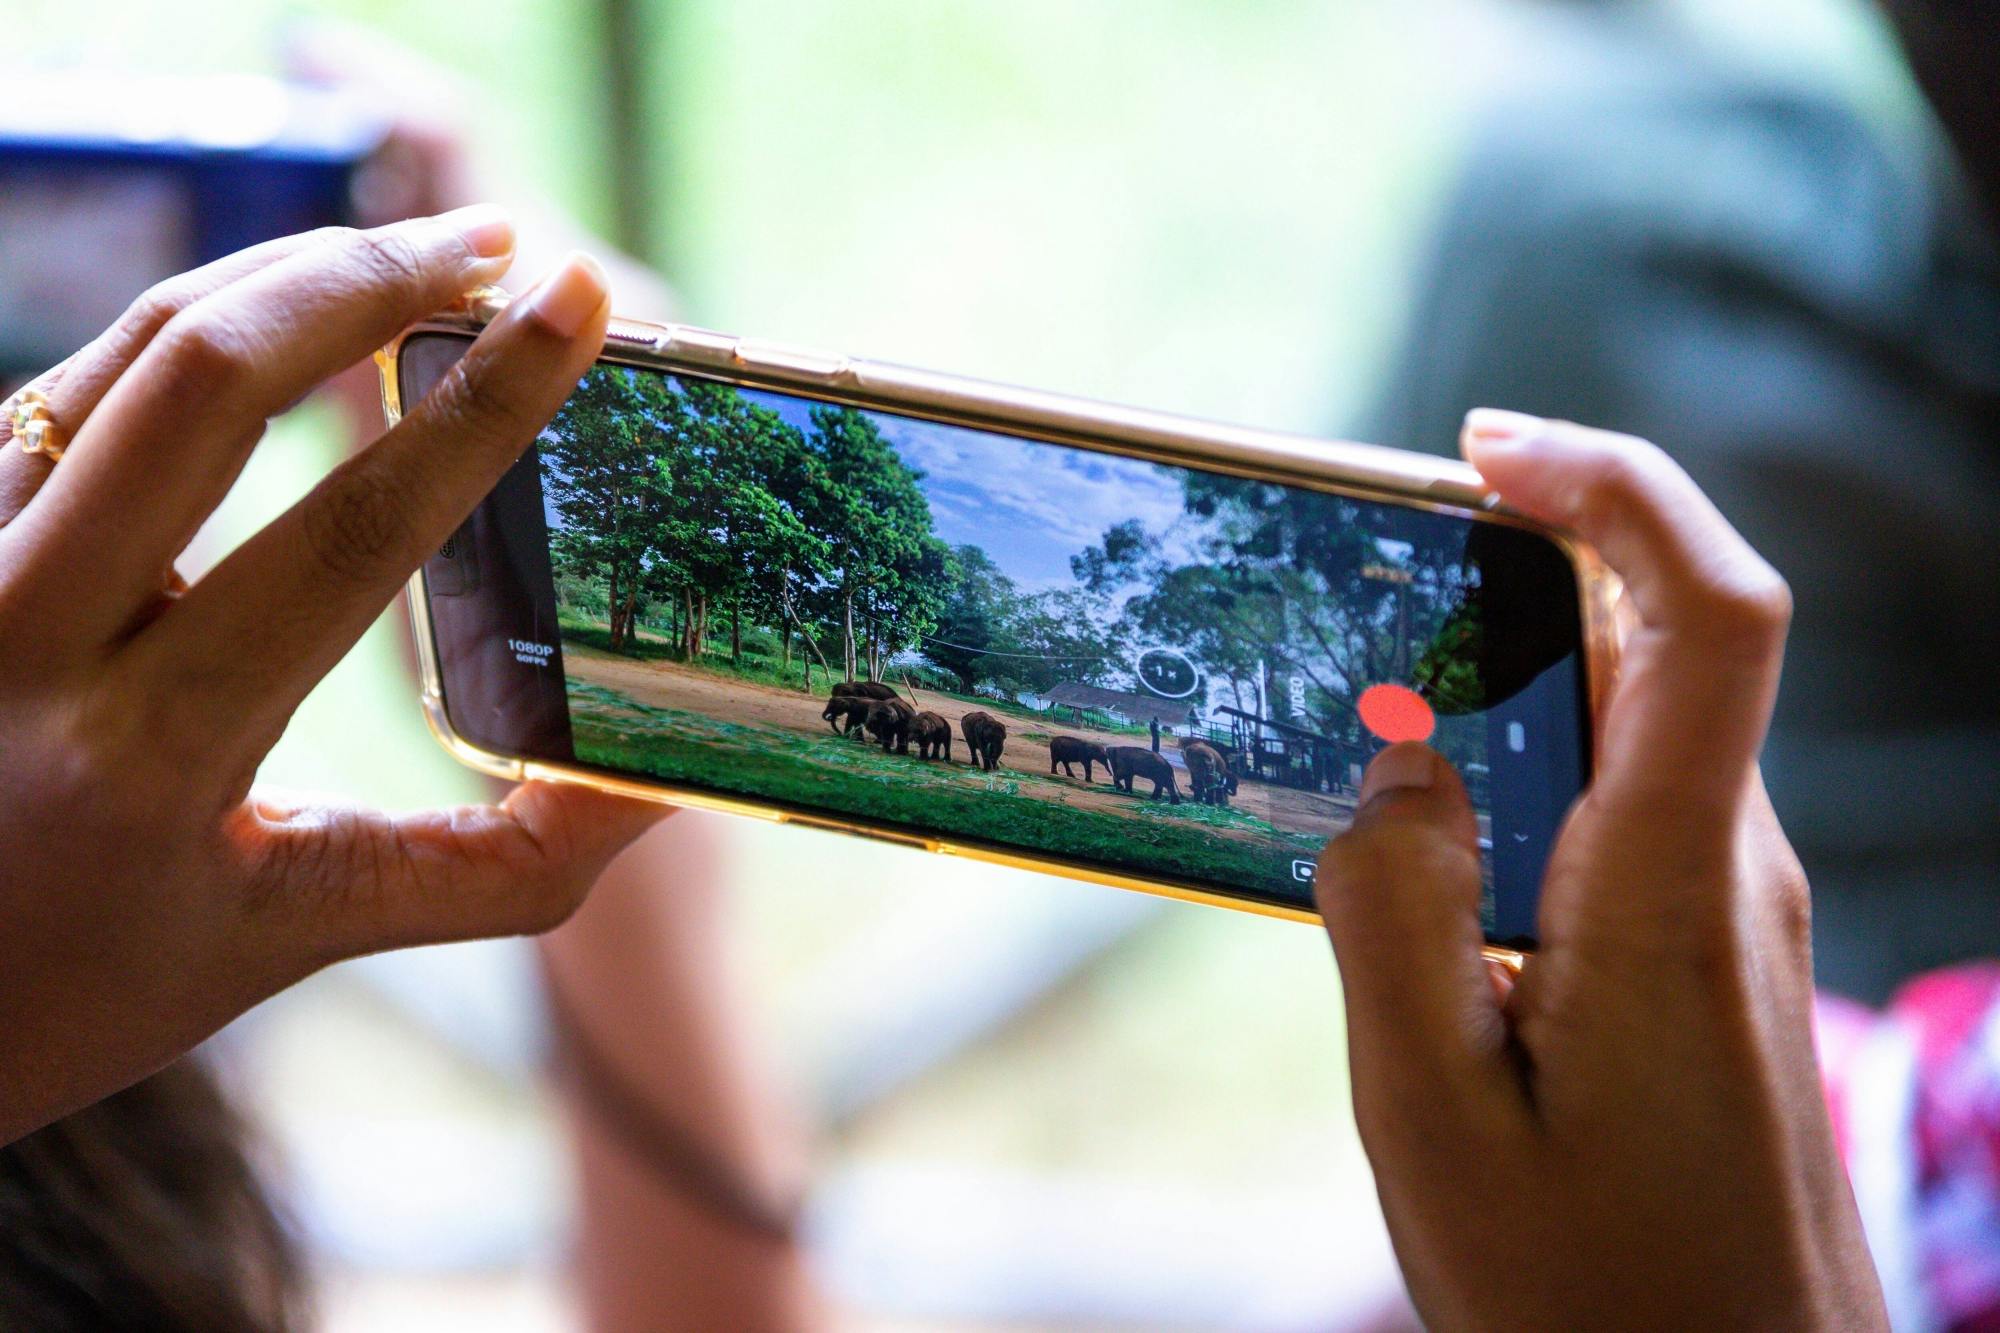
1136 761
863 689
932 735
1068 750
888 721
845 712
1211 781
984 735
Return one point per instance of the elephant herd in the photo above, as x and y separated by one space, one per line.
876 711
1211 779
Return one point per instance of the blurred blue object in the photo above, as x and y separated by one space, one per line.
109 183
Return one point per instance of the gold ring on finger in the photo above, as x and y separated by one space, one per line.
35 427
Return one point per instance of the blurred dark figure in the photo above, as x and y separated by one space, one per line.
1808 316
143 1214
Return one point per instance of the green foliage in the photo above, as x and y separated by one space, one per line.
687 495
887 569
1103 568
973 617
989 632
595 634
681 504
1447 670
602 478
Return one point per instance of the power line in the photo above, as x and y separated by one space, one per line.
1039 657
984 652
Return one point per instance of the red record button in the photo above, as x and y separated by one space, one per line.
1396 713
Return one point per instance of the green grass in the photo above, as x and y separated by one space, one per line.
957 800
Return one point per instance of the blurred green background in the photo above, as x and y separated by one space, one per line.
1216 208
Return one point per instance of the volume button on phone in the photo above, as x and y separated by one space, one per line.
808 361
901 839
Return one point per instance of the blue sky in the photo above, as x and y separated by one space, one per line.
1030 505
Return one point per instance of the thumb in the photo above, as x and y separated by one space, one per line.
1400 895
366 881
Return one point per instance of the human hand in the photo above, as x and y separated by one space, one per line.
148 893
1632 1135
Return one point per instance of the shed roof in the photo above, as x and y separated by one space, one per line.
1139 707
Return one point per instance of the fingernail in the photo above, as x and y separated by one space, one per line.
565 300
487 230
1407 767
1497 428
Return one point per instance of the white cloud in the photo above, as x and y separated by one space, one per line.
1030 505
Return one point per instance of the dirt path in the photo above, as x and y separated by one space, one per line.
1026 754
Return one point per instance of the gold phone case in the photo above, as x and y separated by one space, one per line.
1359 471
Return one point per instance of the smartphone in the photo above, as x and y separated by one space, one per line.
1104 643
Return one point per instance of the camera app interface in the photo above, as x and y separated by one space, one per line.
1146 667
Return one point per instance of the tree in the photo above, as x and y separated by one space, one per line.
973 616
766 483
1121 559
1328 591
876 523
601 476
690 494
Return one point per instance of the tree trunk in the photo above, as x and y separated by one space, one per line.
811 643
736 632
611 607
847 630
629 630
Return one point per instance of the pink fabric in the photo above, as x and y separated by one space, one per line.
1939 1043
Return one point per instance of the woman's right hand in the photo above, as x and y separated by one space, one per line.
148 893
1632 1136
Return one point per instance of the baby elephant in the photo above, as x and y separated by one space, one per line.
1210 779
1067 750
1135 761
984 735
932 735
888 721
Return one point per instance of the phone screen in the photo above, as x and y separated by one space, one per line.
963 633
